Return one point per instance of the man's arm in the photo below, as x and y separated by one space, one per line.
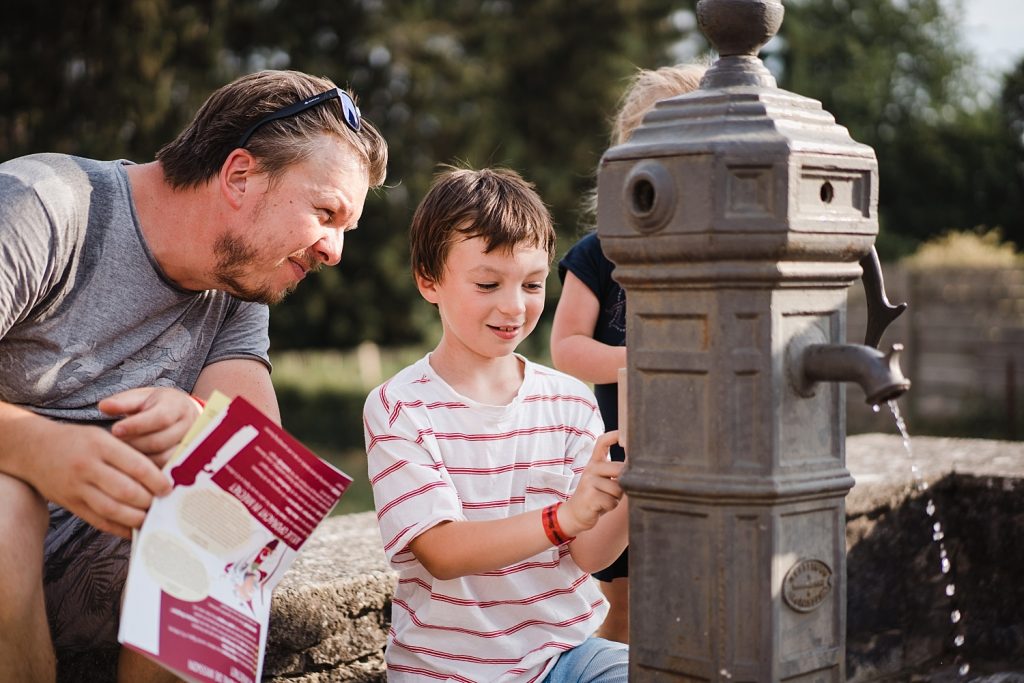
240 377
82 468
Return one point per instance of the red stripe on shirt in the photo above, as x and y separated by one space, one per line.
501 436
410 494
483 604
450 405
504 632
430 674
560 397
511 467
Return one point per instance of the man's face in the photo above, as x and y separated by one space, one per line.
296 225
489 302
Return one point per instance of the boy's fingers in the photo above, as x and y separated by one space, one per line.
603 443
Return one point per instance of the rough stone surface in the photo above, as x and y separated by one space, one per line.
331 611
898 614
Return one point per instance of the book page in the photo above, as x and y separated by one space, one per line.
246 496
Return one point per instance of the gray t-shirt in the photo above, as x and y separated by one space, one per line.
85 311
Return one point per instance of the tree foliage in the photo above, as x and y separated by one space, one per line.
528 84
896 73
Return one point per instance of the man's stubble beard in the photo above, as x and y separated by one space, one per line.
233 257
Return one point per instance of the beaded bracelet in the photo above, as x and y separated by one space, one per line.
549 517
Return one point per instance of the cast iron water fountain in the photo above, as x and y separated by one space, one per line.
738 216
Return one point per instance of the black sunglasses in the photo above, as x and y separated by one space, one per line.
349 111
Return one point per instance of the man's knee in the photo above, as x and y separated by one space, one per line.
24 520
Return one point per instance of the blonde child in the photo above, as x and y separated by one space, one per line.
588 335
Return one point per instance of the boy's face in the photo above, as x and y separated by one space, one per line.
489 302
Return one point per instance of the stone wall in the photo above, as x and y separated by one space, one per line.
964 338
331 611
897 616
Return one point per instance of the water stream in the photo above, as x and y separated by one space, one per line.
958 629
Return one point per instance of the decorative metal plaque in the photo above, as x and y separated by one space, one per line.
807 584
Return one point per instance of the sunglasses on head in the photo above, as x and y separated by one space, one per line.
349 111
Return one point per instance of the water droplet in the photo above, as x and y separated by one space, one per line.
930 509
959 640
938 536
964 668
876 408
915 469
954 616
942 552
945 566
937 526
924 486
724 673
950 590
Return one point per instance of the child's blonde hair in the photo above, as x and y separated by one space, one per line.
646 88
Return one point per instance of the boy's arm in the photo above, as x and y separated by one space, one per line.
573 347
599 547
602 509
459 548
454 549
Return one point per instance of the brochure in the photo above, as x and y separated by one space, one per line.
246 497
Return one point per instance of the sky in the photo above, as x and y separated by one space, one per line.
994 30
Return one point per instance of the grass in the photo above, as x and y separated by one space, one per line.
321 395
358 497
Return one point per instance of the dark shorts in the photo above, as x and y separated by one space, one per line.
616 570
620 567
83 577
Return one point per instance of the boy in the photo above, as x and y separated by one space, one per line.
494 499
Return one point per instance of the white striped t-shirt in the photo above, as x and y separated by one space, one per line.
435 455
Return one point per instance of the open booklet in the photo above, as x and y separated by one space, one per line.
246 497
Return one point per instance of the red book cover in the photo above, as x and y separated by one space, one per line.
246 497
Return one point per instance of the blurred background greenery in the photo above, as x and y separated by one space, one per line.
529 84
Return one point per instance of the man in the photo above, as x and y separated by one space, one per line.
122 286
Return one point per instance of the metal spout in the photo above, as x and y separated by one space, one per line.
878 374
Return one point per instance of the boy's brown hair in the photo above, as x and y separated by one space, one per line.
496 204
199 151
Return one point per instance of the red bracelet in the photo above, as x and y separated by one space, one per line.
201 402
549 517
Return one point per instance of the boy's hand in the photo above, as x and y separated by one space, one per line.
598 491
156 418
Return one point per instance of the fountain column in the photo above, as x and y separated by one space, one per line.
736 216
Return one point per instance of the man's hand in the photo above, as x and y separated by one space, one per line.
98 477
156 418
598 491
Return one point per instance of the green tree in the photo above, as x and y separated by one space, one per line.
525 84
898 76
106 79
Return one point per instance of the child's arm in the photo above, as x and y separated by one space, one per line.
573 347
155 419
608 532
459 548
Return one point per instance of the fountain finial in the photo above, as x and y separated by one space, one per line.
738 29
